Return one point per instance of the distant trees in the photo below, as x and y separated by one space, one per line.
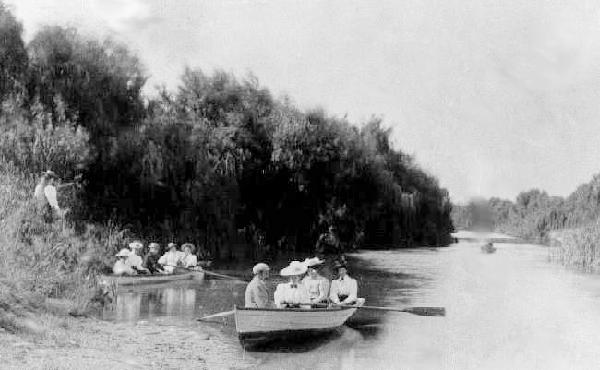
217 157
534 213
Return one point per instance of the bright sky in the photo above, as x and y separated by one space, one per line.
492 97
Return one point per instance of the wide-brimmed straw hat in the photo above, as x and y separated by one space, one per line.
50 174
294 268
123 253
136 245
260 267
189 245
312 262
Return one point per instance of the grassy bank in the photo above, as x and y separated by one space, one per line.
48 276
579 248
44 263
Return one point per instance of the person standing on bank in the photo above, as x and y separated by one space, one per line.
46 196
316 285
344 289
256 295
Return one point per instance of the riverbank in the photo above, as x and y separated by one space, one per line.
49 341
577 247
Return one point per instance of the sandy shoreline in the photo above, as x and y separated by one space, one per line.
83 343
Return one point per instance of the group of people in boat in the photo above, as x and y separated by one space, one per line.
130 260
306 286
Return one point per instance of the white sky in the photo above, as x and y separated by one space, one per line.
492 97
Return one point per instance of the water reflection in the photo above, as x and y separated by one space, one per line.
178 301
128 306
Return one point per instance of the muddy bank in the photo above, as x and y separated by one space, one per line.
81 343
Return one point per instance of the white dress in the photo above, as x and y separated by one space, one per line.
135 261
170 260
190 261
291 294
344 287
318 289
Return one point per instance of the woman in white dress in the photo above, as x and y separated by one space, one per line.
189 260
316 285
292 294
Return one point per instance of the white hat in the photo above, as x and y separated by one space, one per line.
136 245
260 267
310 262
295 268
123 253
153 245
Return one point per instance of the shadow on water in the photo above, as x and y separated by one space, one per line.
294 344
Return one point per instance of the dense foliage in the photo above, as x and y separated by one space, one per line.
215 162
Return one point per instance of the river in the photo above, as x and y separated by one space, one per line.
509 310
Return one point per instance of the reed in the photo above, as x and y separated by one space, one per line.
579 248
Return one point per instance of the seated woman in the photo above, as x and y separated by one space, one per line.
121 267
171 259
316 285
292 294
152 258
135 259
189 259
344 289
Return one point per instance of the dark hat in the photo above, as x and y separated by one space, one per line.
339 264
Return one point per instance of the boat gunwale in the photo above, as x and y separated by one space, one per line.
133 279
324 309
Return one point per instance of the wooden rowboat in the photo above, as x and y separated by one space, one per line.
150 279
255 325
488 248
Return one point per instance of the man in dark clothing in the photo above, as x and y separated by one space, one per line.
151 259
328 243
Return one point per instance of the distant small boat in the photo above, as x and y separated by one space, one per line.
488 248
150 279
255 325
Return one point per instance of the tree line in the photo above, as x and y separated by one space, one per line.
534 213
217 160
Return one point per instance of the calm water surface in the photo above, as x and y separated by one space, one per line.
508 310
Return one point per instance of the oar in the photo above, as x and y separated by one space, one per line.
420 311
215 274
224 276
220 314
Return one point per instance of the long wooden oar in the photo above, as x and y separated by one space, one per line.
220 314
222 276
420 311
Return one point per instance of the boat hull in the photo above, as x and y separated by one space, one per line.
257 325
151 279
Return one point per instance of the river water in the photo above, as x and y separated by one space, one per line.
509 310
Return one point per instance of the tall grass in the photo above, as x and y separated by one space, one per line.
579 248
40 261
